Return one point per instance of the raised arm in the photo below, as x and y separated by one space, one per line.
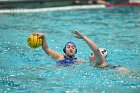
49 52
99 59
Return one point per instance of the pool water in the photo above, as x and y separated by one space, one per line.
27 70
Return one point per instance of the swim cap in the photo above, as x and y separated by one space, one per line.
64 49
103 52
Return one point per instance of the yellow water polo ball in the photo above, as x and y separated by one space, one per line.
34 41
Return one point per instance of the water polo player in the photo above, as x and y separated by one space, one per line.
62 60
98 55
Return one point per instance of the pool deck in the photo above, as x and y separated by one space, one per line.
18 4
24 6
6 4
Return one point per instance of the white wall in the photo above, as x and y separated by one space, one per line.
136 1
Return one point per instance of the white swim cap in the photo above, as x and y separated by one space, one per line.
103 52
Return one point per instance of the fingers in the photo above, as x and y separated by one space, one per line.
39 34
75 31
36 33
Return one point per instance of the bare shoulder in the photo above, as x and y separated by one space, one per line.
80 60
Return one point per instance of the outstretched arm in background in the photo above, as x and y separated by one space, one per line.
50 52
99 59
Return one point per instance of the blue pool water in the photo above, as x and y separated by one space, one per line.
27 70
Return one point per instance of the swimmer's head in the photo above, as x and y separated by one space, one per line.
70 48
103 52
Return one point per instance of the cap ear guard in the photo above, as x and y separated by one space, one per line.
64 50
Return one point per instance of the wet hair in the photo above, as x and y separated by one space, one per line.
64 49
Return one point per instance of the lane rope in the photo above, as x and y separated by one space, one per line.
51 9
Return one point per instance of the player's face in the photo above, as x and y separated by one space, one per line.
91 57
70 50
